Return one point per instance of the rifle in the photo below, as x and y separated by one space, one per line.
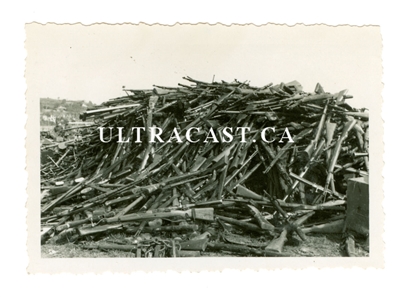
347 127
279 165
317 187
245 176
330 130
242 224
88 203
67 194
277 244
111 246
168 183
130 206
178 228
292 226
331 227
73 224
244 250
315 156
95 111
44 236
206 214
304 99
321 123
236 172
245 192
350 246
132 230
337 205
187 188
279 155
199 161
262 222
152 103
222 179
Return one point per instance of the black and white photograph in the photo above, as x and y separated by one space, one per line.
204 141
206 148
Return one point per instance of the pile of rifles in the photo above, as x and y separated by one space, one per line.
245 194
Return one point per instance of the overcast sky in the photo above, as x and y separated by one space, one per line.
79 62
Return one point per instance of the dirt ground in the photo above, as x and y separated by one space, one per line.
315 246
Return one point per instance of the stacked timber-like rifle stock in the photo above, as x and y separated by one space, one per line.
182 198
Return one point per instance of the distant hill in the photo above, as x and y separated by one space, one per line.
61 111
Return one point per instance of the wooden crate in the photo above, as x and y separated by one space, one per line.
357 215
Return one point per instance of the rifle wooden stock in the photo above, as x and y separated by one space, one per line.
244 225
330 130
188 254
331 227
46 235
98 229
363 115
263 223
350 246
276 245
246 193
197 164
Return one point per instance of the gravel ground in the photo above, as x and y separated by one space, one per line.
315 246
